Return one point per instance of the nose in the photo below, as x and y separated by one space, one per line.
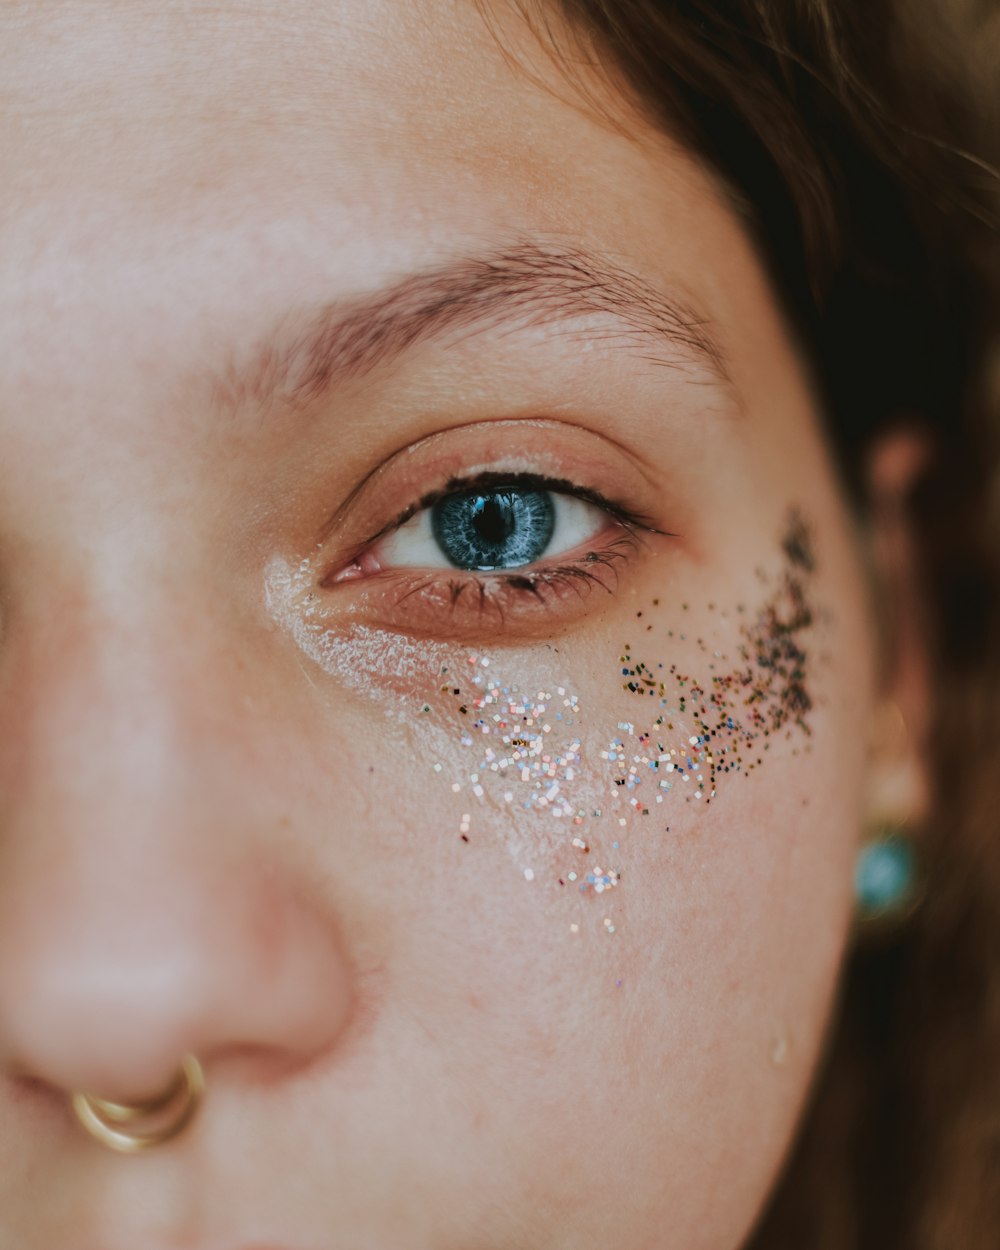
149 905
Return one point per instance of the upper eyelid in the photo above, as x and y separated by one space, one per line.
641 482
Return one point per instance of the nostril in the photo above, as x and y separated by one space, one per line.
26 1089
30 1100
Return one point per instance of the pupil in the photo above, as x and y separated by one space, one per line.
498 529
494 519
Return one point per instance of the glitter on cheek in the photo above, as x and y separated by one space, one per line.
533 768
524 756
699 731
735 713
377 664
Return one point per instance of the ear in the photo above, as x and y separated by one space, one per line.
899 787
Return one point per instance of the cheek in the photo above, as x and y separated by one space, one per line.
611 879
666 819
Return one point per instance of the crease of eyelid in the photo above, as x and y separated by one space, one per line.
333 520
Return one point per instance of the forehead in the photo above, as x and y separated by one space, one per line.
176 177
173 98
244 111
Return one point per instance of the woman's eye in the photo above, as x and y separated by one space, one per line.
486 530
492 553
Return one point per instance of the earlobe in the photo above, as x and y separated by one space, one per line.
889 868
899 790
888 875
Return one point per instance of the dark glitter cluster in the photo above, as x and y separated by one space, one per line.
737 712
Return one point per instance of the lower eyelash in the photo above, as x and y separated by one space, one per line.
597 567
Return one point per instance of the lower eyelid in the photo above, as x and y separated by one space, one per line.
536 602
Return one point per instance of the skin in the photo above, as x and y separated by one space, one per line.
221 829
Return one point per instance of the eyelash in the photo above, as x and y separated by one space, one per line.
539 583
526 481
500 593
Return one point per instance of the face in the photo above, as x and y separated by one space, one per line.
435 670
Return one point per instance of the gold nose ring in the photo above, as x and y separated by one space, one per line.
131 1127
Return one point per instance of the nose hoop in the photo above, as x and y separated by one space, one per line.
132 1127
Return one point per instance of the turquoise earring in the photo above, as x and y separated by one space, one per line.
887 877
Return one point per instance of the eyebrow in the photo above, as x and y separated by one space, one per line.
527 284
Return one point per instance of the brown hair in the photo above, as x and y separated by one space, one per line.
847 145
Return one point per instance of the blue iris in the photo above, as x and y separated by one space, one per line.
494 529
